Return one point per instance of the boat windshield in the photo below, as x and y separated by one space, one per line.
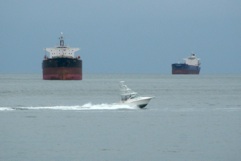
127 97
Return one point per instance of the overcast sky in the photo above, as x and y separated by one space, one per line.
122 36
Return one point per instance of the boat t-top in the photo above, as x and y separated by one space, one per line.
130 97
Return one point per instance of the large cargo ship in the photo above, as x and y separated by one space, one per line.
191 65
61 63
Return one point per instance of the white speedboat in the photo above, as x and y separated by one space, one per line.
130 97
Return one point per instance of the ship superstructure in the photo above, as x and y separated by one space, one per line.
62 63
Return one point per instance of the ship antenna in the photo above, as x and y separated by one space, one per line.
61 38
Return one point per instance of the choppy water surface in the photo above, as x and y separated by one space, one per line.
190 118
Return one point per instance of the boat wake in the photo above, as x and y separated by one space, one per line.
87 106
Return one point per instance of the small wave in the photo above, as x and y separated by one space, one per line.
87 106
228 109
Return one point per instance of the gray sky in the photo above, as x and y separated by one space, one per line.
122 36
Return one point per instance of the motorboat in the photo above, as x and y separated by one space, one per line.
132 98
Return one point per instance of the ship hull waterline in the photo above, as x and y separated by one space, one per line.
62 73
176 71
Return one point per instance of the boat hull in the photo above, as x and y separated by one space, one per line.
185 69
140 102
62 69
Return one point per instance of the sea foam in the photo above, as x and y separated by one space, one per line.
87 106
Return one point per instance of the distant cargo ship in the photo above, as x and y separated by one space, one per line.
191 65
61 63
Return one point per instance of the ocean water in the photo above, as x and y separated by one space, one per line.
191 118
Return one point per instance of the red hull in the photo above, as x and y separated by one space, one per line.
184 72
62 73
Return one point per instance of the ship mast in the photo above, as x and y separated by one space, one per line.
61 38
